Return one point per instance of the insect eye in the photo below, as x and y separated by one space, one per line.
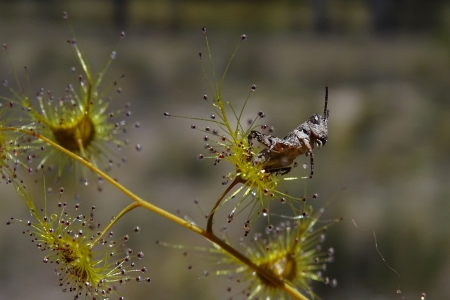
314 119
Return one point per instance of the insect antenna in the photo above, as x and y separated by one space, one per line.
326 112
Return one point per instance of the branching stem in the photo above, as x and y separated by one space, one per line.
280 283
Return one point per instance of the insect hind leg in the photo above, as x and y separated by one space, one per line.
284 171
311 161
280 171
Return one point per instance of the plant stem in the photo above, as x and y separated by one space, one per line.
122 213
280 283
213 210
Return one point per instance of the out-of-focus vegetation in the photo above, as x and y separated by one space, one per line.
387 64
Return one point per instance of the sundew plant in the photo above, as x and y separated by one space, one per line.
41 133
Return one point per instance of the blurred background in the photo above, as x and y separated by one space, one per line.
387 64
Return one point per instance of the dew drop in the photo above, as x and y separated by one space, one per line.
213 116
230 217
136 230
264 212
322 238
315 196
261 114
200 157
334 283
65 15
205 97
61 190
113 54
423 296
243 37
166 114
193 126
122 35
138 147
137 124
204 29
253 88
5 82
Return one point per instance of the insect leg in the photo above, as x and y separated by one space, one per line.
311 161
280 171
284 171
264 139
252 135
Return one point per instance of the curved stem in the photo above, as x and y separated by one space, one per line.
121 214
280 283
213 210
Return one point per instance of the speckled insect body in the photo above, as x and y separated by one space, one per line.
279 153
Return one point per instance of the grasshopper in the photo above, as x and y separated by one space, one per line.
279 154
